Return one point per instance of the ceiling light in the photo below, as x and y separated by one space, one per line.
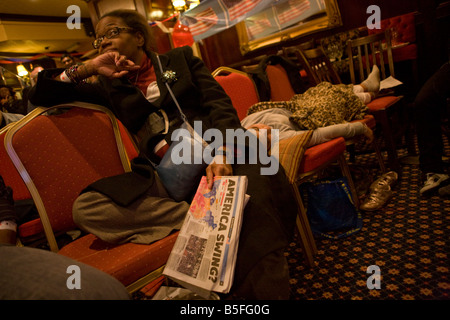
179 4
193 4
21 71
156 14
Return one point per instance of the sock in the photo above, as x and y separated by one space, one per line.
358 88
372 83
365 97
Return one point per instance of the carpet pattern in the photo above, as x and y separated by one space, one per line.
408 239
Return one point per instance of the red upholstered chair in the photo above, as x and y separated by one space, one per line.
33 230
280 90
240 88
298 163
59 154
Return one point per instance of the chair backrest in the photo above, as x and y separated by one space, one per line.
239 87
404 25
59 154
367 51
317 65
280 85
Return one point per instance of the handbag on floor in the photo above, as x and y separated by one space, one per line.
330 209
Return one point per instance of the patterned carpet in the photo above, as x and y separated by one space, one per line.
408 239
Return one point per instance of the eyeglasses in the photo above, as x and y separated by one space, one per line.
111 33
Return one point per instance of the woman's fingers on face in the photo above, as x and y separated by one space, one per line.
120 60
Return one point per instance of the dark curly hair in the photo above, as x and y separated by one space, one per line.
135 20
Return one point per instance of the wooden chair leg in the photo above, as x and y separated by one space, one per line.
379 155
394 163
306 237
346 173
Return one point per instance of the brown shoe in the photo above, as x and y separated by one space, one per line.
389 179
377 198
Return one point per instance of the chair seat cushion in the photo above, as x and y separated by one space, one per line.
127 262
320 154
30 228
382 103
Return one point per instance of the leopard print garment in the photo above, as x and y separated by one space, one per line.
320 106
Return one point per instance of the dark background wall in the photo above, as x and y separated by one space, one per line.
432 32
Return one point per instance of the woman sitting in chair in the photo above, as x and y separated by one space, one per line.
131 82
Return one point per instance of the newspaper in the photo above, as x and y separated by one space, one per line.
204 255
389 82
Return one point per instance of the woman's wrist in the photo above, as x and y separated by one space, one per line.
77 74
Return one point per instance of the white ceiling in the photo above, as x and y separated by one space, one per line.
29 39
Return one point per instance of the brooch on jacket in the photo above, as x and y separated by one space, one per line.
169 76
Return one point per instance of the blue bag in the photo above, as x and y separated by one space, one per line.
330 209
181 179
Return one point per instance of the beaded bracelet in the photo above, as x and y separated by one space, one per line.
73 75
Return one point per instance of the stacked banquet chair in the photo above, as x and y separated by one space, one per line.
300 165
319 68
389 110
60 150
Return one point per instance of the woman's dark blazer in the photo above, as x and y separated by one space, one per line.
269 218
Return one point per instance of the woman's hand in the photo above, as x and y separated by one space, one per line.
217 169
109 64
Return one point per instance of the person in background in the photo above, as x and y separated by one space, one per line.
6 118
68 60
9 102
279 115
25 92
429 105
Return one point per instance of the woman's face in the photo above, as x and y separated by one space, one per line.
127 43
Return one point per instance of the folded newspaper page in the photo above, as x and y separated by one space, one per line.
204 255
389 82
